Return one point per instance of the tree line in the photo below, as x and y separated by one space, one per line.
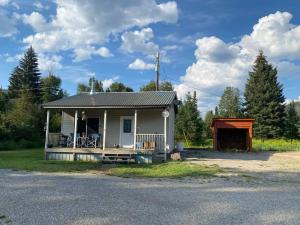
22 119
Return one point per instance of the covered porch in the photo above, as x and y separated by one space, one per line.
95 134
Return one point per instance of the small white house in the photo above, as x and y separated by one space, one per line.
112 126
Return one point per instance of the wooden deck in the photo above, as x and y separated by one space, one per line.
96 154
99 150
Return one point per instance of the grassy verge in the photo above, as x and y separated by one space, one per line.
275 145
164 170
33 160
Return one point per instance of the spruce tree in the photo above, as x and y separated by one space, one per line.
230 103
15 83
264 99
292 122
26 76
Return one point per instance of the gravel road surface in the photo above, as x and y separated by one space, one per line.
45 198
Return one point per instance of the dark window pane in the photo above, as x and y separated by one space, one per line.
127 126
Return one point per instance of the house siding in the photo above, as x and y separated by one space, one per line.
149 121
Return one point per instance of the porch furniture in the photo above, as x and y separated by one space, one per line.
62 141
92 140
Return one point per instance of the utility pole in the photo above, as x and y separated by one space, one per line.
157 71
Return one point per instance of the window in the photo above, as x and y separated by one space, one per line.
127 126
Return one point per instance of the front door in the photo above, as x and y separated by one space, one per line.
126 131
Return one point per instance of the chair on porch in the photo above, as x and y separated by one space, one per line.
92 140
70 140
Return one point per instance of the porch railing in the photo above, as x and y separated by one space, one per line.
150 142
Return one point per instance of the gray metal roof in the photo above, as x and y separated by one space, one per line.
115 100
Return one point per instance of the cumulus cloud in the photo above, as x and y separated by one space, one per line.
139 41
36 21
88 24
106 83
86 52
139 64
4 2
219 64
49 62
7 25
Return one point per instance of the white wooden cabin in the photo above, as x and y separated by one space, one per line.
113 126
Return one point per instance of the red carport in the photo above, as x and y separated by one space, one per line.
232 133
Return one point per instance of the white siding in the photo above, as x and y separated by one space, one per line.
67 124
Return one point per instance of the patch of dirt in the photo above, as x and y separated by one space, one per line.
274 166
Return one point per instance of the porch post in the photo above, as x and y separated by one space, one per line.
135 124
75 128
104 129
165 137
47 131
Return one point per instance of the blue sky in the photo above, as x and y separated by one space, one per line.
204 45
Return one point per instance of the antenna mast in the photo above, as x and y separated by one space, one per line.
157 71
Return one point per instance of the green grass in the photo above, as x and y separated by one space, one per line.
33 160
165 170
275 145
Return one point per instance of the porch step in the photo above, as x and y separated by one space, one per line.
115 157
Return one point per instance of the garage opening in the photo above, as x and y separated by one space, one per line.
230 139
232 133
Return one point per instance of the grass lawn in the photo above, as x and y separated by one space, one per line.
257 145
275 145
165 170
33 160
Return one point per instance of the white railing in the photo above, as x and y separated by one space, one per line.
150 142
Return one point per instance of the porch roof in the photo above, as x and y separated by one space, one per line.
116 100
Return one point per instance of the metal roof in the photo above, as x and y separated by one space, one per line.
115 100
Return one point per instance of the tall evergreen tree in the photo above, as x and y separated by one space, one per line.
264 99
292 122
230 103
189 124
26 76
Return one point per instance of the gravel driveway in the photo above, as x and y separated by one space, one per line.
43 198
273 166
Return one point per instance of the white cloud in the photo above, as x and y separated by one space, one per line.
106 83
4 2
7 25
13 58
219 64
39 6
139 41
49 62
36 21
78 24
139 64
86 52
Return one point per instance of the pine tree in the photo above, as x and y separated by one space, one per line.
26 76
264 99
189 124
15 83
230 104
292 122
